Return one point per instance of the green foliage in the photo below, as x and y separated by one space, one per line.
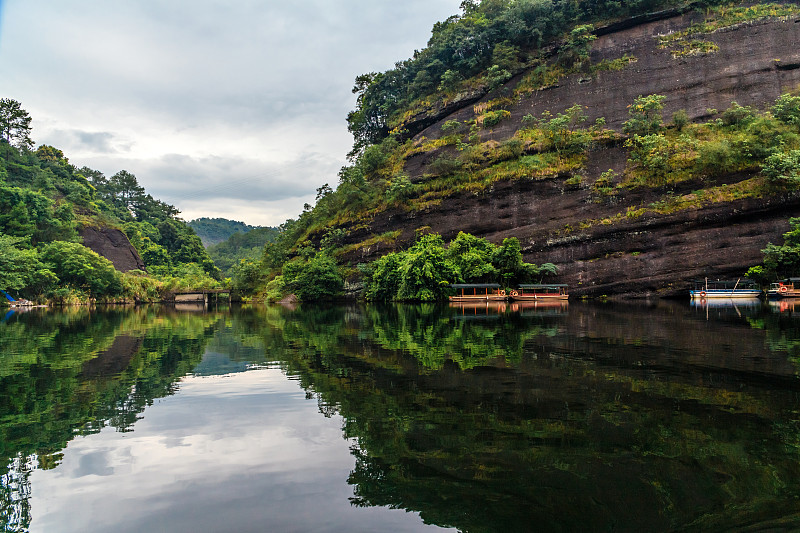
787 109
247 277
737 115
80 268
425 274
15 124
247 246
20 267
451 127
425 271
651 152
472 258
216 230
482 46
450 80
562 131
493 118
315 279
383 277
680 119
645 115
27 213
43 200
496 76
784 260
783 167
399 188
576 47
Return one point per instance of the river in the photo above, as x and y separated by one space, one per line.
359 418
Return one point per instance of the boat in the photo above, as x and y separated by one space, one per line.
785 288
553 291
19 302
477 292
724 289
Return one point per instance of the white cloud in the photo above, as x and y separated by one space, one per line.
167 87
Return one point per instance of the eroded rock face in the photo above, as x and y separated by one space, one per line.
756 62
646 255
114 246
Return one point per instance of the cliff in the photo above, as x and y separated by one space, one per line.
637 240
114 246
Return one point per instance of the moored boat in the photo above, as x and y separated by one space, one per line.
474 292
552 291
785 288
725 289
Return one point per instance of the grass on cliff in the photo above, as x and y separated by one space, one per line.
736 141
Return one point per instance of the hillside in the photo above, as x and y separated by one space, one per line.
73 235
215 230
636 154
241 246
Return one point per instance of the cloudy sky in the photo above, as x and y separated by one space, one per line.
224 109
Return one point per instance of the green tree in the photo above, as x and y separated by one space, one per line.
472 257
783 167
645 115
787 109
81 268
577 46
425 273
782 260
20 267
508 261
383 277
15 124
318 279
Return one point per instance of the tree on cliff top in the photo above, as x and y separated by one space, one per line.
15 124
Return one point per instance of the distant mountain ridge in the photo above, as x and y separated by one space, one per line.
216 230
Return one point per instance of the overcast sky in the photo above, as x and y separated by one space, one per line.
223 109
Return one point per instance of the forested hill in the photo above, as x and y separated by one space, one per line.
50 208
249 247
215 230
635 145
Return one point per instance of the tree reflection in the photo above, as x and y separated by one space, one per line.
599 418
586 418
75 371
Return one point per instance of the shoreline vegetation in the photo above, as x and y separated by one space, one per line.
45 200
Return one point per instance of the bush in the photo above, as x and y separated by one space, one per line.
680 119
318 279
787 109
81 268
783 167
737 115
645 115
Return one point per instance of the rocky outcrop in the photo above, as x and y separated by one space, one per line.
754 65
599 250
114 245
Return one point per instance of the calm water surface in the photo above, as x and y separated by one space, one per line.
579 417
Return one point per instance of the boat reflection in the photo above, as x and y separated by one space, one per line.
731 303
785 305
490 309
727 307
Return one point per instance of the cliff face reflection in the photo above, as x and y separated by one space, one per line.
554 418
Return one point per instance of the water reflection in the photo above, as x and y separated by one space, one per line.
483 418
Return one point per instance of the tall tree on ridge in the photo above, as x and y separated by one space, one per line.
15 124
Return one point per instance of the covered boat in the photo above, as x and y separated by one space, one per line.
472 292
785 288
740 288
553 291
